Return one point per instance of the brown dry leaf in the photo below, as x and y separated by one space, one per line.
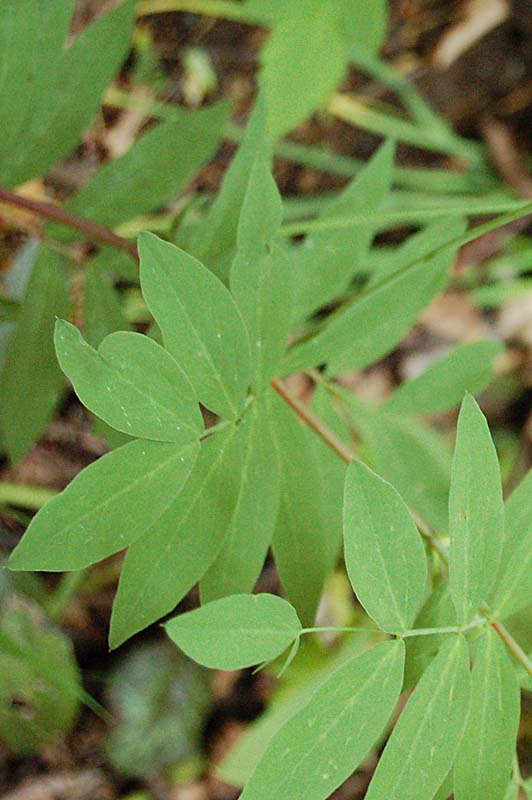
454 317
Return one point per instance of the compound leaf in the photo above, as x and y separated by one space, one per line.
423 745
131 383
476 513
324 742
384 553
237 631
106 507
202 327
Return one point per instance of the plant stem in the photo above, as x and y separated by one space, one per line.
515 649
333 629
92 231
476 623
19 494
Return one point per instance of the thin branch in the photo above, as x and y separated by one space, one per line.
517 651
92 231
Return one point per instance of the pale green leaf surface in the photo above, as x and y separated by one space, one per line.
306 542
302 62
437 612
476 513
384 554
74 93
513 587
239 563
327 260
101 307
425 740
106 507
32 35
366 24
373 323
484 761
237 631
202 327
131 383
307 673
261 276
154 170
165 563
469 367
31 381
324 742
214 241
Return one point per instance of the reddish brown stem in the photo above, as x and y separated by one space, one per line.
92 231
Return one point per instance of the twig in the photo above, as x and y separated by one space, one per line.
92 231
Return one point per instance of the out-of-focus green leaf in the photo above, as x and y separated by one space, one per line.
237 631
101 306
160 700
469 367
372 324
201 324
74 91
31 381
40 685
302 62
327 260
154 170
476 513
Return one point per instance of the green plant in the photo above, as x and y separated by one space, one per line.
235 312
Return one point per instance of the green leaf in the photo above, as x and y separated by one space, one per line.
327 260
165 563
237 631
201 324
261 279
240 561
40 682
384 554
372 324
214 241
425 740
438 612
31 381
302 62
32 35
307 538
160 701
307 673
414 458
484 761
132 383
101 306
74 93
469 367
366 24
154 170
513 587
476 513
324 742
106 507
